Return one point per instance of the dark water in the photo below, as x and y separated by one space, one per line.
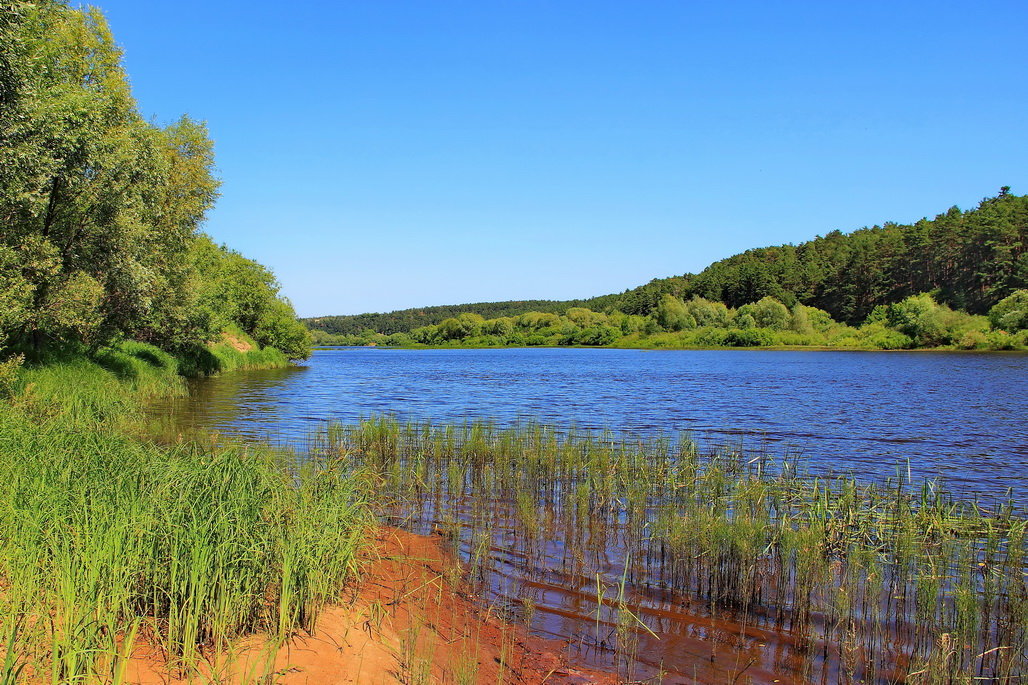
960 416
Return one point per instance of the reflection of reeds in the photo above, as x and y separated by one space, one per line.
869 580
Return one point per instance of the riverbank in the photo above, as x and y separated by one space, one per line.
109 541
408 619
125 560
688 348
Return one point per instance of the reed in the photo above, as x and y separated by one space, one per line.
869 581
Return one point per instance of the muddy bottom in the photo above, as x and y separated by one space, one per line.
611 619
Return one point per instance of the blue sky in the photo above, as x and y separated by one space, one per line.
387 154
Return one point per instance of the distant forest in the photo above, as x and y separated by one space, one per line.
406 320
968 260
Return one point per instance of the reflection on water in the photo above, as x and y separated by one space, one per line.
961 416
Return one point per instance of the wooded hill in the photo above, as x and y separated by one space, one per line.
968 259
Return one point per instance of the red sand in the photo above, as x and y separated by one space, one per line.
408 620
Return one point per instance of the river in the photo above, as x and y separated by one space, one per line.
962 417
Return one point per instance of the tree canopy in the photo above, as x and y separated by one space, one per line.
101 210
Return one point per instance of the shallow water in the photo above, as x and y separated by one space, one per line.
960 416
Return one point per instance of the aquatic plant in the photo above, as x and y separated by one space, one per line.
846 580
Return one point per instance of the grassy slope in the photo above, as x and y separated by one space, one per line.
104 537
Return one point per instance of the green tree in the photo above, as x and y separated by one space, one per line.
766 313
673 315
709 314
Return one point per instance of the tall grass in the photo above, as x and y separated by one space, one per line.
867 582
105 538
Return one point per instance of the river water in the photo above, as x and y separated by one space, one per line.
962 417
958 417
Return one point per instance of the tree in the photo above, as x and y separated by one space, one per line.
766 313
672 314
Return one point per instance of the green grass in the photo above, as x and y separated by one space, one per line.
106 538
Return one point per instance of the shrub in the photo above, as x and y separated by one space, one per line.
973 340
673 315
887 339
750 337
767 313
1011 313
709 314
711 337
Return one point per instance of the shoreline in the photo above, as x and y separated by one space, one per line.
409 617
769 348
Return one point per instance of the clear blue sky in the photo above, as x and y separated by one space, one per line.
384 154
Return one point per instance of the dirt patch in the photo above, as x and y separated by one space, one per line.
410 620
236 343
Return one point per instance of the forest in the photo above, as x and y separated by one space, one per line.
102 209
918 321
965 261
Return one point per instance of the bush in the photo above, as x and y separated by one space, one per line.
711 337
973 340
1011 313
887 339
930 324
673 315
594 335
794 338
750 337
766 313
708 314
1001 340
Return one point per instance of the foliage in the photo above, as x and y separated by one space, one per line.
101 209
1011 313
969 259
673 315
917 321
234 351
406 320
230 290
767 313
930 324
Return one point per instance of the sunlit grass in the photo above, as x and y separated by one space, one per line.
106 539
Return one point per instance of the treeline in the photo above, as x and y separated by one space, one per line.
406 320
101 209
969 260
918 321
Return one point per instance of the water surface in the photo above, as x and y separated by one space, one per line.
961 416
